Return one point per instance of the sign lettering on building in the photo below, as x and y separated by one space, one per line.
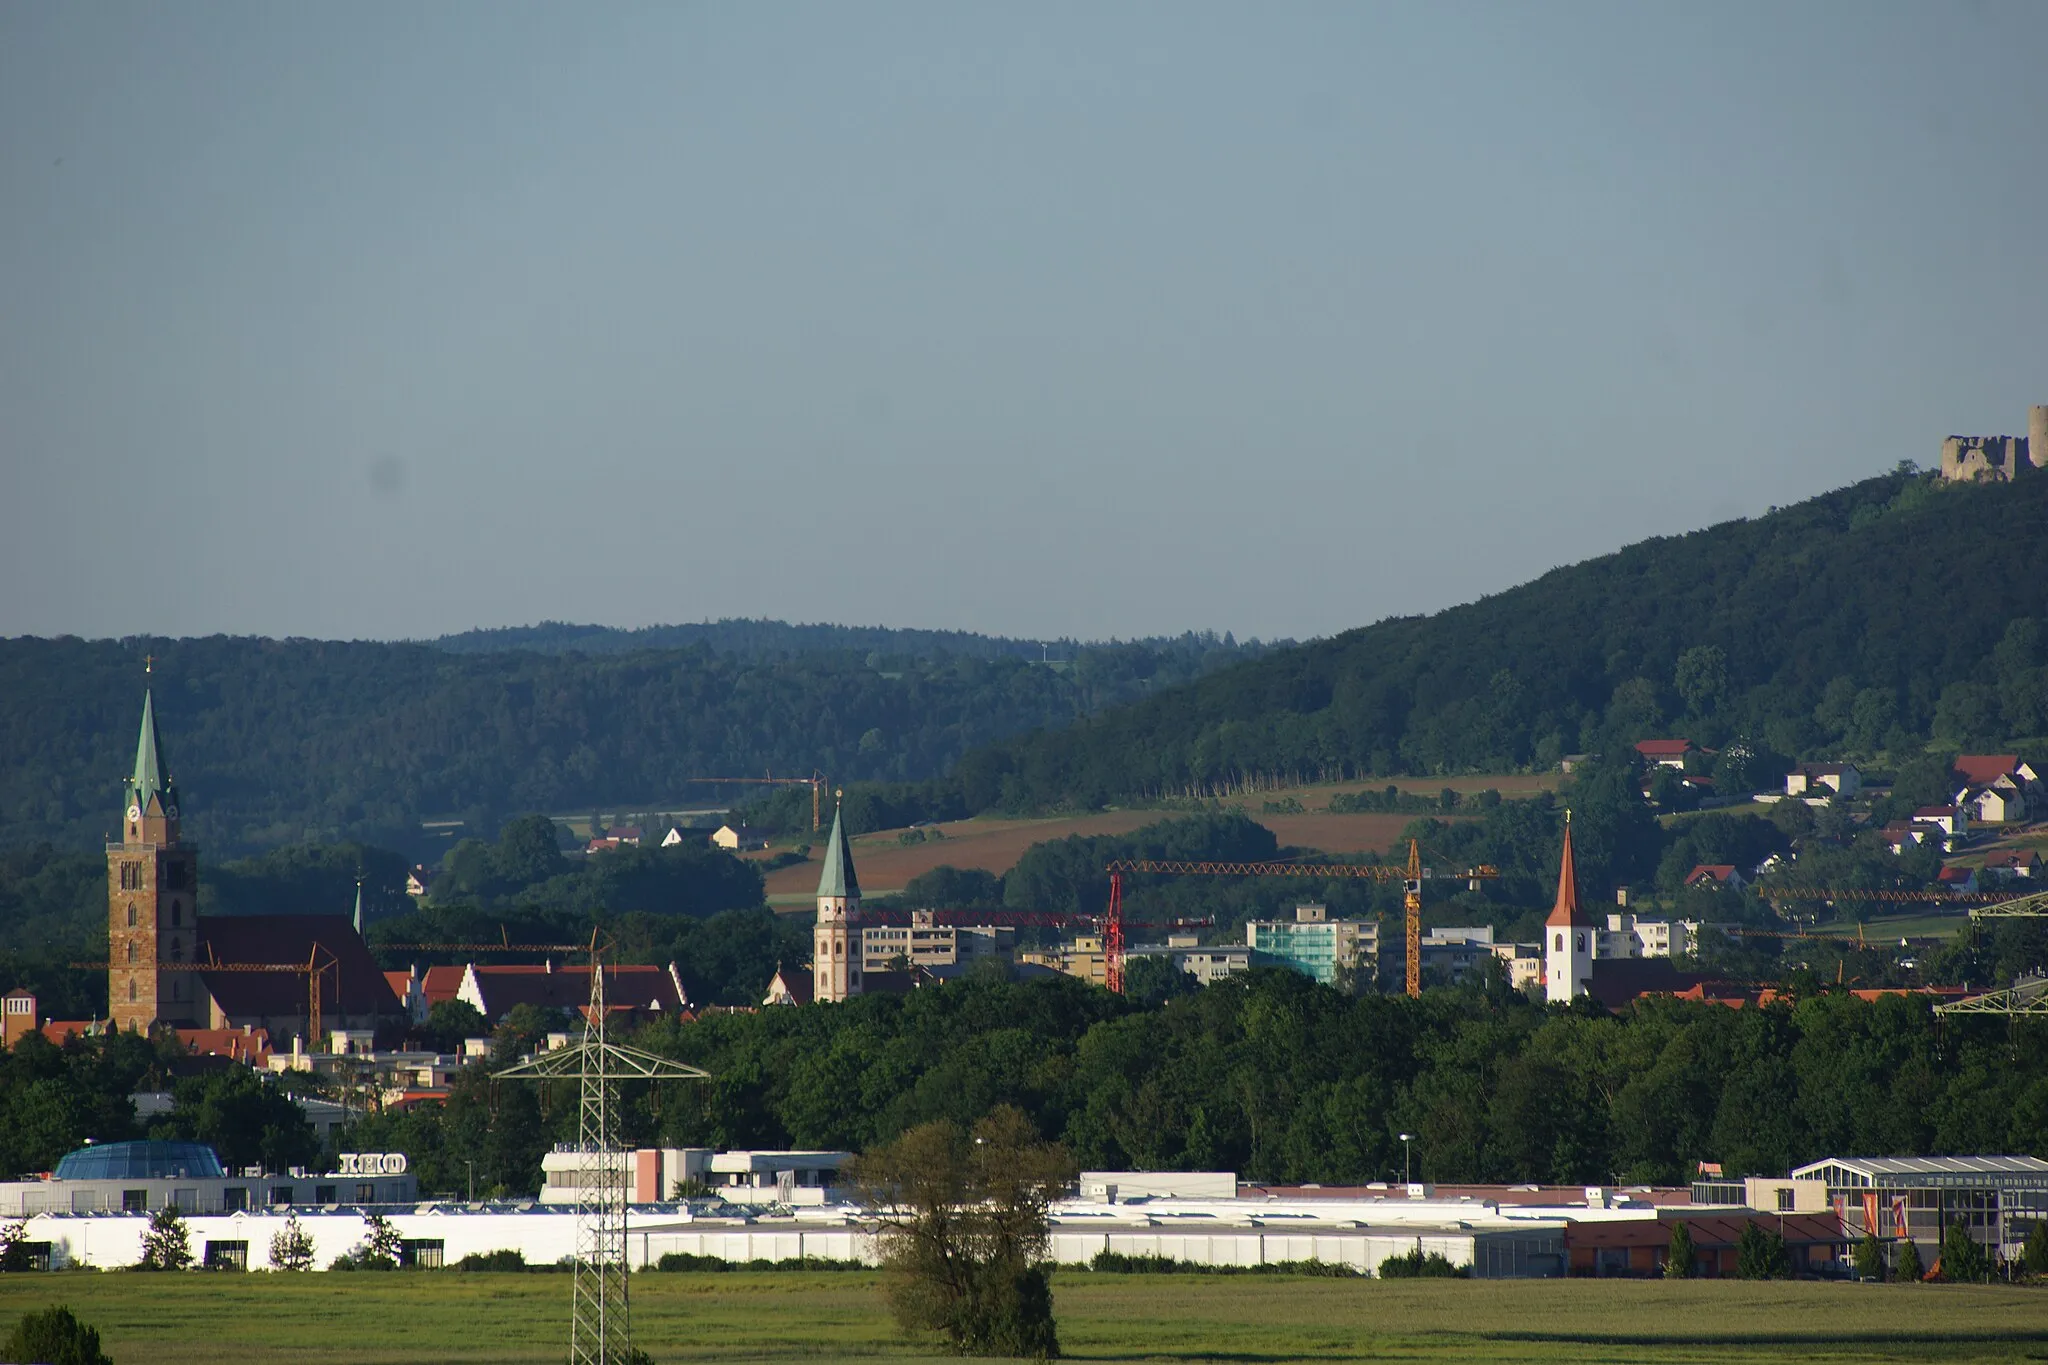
372 1163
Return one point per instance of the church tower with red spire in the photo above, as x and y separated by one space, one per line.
1571 940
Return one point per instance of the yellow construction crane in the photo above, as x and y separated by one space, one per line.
816 782
1412 875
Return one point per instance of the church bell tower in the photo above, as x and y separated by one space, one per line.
836 941
152 899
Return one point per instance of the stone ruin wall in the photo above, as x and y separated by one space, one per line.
1999 459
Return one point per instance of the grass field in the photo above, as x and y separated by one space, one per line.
332 1319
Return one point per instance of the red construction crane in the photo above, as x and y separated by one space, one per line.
1412 876
816 782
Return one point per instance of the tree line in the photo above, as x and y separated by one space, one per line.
281 741
1281 1079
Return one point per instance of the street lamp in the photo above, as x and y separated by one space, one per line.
472 1179
1406 1178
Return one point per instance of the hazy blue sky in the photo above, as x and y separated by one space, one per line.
382 320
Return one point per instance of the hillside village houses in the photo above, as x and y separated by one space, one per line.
1837 779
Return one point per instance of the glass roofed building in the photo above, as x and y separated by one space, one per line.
1999 1197
141 1161
142 1177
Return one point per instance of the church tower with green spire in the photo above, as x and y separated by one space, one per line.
836 941
152 898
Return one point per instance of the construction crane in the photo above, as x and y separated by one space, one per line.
1779 894
479 947
816 782
2033 906
1411 876
314 969
2028 997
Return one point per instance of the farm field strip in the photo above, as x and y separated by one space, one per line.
994 844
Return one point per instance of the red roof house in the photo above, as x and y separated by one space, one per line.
1669 752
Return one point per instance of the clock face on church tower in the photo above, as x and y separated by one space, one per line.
135 812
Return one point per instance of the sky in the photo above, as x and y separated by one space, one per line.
1095 319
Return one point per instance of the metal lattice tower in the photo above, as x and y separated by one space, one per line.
600 1318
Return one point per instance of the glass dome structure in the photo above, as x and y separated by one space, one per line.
141 1161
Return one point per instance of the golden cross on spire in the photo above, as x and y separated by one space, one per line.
149 663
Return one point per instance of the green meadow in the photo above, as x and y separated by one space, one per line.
334 1319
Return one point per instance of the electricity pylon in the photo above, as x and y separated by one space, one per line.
600 1318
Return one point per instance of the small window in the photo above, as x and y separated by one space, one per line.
1785 1201
281 1195
174 876
227 1255
131 914
177 915
131 992
1560 943
135 1201
234 1200
131 876
366 1193
131 952
324 1194
1579 943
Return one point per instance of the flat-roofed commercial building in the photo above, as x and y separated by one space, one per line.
1999 1198
144 1177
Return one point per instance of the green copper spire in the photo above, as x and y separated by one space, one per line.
837 879
359 905
149 779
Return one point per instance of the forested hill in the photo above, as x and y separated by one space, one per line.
1857 623
274 741
762 639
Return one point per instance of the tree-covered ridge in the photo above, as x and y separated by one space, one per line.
1858 622
755 640
274 741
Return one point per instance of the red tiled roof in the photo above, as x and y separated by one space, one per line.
798 984
290 939
1664 748
568 988
252 1047
1720 872
1982 769
57 1030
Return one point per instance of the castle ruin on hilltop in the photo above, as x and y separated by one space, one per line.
1998 459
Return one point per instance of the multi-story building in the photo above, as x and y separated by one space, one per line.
1627 936
1451 953
1315 944
1207 965
1523 963
1081 956
924 942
